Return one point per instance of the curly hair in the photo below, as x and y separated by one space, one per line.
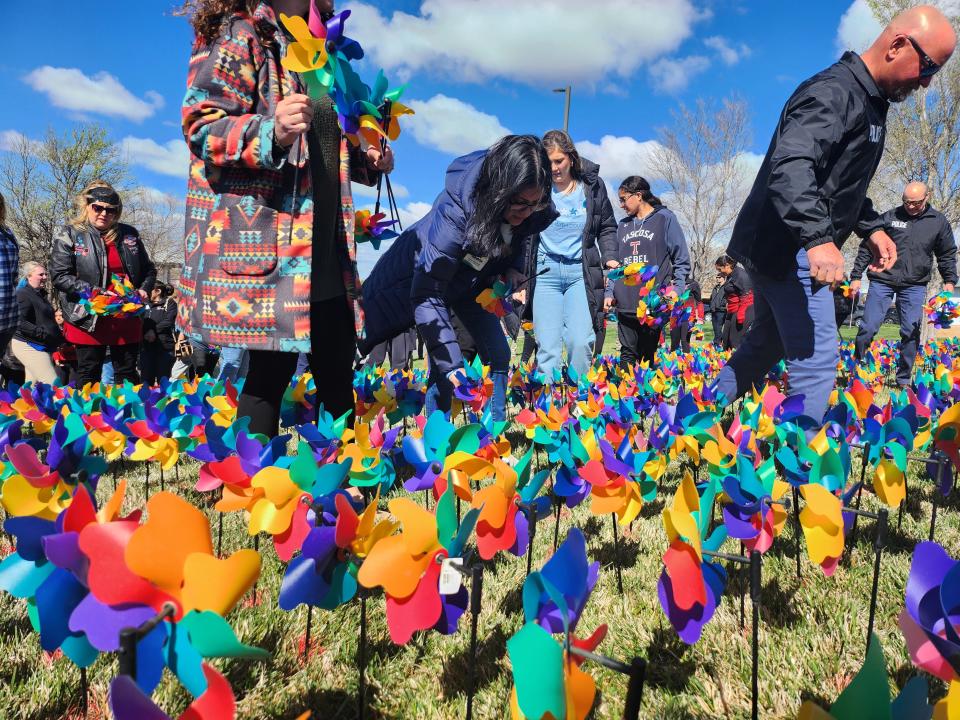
208 16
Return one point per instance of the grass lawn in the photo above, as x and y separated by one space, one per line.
812 638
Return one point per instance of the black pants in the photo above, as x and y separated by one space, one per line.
155 363
717 318
680 337
637 342
90 363
734 331
333 347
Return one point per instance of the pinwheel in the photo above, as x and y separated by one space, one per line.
868 695
324 575
547 678
373 228
942 310
371 452
129 702
133 571
119 299
496 299
752 515
48 570
691 585
501 525
633 274
408 565
443 449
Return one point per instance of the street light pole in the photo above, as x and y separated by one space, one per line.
566 108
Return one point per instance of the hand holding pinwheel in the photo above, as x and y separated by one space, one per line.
120 299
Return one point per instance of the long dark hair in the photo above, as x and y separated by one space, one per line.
514 164
559 140
637 184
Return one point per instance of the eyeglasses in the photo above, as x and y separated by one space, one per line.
914 203
928 68
624 198
103 209
519 205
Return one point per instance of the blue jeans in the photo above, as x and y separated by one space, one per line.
561 315
106 374
910 302
234 362
493 350
793 320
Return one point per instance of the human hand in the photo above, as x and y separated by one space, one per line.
826 264
380 160
608 303
514 277
854 286
884 251
520 296
143 294
948 287
292 118
612 264
150 336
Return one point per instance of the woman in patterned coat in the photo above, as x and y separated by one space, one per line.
270 260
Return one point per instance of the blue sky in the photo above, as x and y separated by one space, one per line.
474 68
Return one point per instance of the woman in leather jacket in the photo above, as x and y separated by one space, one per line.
87 251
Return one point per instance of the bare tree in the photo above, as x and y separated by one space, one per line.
41 178
702 160
159 218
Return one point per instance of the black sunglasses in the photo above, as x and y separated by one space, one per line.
103 209
928 68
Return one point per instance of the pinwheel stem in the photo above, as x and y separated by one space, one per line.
130 636
756 561
162 485
941 465
863 475
84 691
879 541
220 534
532 523
146 484
796 528
638 675
476 593
362 657
743 594
556 526
306 635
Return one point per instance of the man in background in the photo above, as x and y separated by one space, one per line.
921 233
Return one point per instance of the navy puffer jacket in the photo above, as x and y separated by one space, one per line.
427 271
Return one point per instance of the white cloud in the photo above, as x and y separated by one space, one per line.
102 94
452 126
365 191
671 75
541 43
858 28
620 157
171 158
10 141
727 53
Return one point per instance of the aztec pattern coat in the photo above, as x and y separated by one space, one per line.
249 215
